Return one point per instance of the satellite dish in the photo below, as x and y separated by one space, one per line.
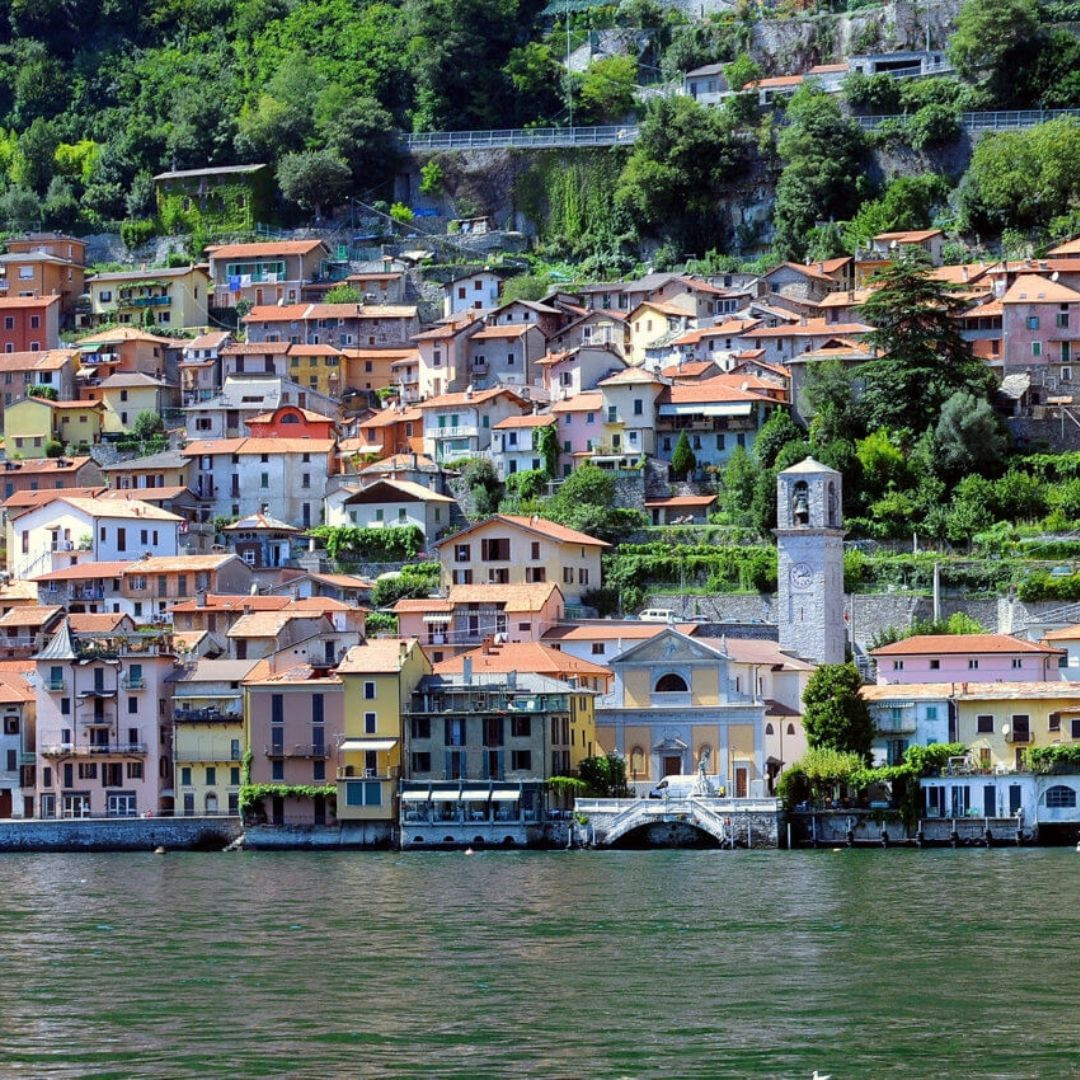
1005 729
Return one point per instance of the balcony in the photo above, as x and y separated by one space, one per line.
298 750
1020 737
95 750
906 725
199 753
350 772
54 686
133 682
209 715
146 301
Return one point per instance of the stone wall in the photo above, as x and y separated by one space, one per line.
354 834
120 834
869 614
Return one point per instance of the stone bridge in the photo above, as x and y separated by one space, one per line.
729 822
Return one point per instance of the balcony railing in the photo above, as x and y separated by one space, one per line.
198 753
904 726
300 750
95 750
209 715
54 686
146 301
1022 736
133 682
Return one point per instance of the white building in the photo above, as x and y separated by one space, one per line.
70 529
515 443
459 425
282 478
476 292
389 504
908 714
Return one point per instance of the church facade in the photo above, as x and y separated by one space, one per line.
676 705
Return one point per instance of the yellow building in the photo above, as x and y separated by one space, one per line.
1001 721
652 320
317 367
175 297
126 395
513 550
32 422
378 679
208 737
678 707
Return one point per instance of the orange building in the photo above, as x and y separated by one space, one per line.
29 323
387 432
37 273
291 422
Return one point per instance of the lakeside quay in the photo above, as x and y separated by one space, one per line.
599 824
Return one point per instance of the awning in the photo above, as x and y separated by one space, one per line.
445 796
438 618
505 796
368 744
741 408
414 796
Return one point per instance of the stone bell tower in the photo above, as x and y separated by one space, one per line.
810 551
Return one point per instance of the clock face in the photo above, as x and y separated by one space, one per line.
802 575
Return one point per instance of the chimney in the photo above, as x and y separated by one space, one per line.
964 272
466 670
488 645
403 651
200 598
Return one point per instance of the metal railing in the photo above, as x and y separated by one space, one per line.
301 750
523 138
207 715
67 750
985 121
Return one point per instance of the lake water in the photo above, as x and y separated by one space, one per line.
579 964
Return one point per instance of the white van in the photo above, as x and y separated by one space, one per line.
657 614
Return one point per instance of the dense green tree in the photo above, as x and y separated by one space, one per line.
830 399
835 716
694 45
313 179
1021 179
60 208
683 462
908 202
991 40
20 208
822 152
359 131
686 158
970 436
923 360
606 89
536 78
775 434
737 486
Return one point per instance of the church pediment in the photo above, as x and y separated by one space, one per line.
668 647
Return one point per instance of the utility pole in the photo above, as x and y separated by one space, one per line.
569 80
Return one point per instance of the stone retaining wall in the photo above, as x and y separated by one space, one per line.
355 834
120 834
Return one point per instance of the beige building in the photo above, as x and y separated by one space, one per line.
511 550
175 297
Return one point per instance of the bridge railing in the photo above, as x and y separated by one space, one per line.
667 806
986 121
523 138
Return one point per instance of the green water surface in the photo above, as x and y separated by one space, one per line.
583 964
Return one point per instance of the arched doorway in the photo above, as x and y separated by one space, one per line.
211 804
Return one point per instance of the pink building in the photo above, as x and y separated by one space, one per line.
104 724
966 658
580 426
572 371
1040 325
294 721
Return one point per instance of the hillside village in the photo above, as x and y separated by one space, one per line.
347 568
